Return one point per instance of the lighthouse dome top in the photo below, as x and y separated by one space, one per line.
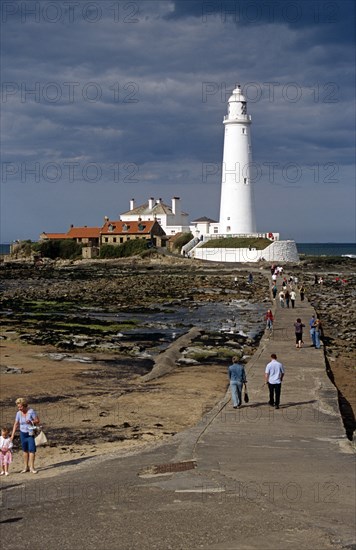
237 95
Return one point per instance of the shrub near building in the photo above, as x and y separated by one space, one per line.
65 249
181 240
129 248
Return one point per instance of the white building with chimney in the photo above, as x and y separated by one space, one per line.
171 218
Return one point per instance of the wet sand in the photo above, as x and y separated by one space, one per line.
87 413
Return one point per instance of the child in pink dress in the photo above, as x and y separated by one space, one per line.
5 451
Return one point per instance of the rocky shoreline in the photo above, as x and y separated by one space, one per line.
80 338
97 329
123 308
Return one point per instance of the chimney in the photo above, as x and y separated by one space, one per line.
151 203
159 201
176 209
106 219
71 225
132 204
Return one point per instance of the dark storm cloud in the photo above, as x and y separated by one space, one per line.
331 18
152 93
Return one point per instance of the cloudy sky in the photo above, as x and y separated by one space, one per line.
107 101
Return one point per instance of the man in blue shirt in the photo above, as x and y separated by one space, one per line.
312 330
274 374
237 377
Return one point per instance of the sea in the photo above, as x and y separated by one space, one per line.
328 249
311 249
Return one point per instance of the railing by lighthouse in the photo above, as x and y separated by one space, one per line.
243 118
189 246
272 236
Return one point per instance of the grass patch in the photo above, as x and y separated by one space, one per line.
238 242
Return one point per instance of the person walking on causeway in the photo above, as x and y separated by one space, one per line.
292 298
312 330
318 329
269 319
274 291
298 325
274 374
302 293
237 377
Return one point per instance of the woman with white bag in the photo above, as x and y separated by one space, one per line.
26 419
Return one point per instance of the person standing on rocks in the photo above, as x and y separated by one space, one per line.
287 297
292 298
274 374
302 293
237 377
298 325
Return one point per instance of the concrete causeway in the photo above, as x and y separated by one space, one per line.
264 479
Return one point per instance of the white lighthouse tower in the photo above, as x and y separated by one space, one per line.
237 215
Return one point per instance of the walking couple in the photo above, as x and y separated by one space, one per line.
274 374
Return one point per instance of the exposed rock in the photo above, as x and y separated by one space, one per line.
10 370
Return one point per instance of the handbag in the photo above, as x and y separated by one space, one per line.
246 397
38 435
40 439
